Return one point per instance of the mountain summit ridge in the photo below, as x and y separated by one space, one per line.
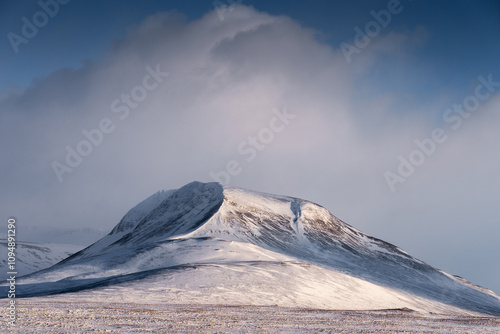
202 236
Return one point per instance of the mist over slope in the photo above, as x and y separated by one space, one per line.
83 236
31 256
39 247
207 244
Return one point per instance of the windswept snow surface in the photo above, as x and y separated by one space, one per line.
207 244
62 314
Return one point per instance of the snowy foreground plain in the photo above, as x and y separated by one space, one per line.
60 315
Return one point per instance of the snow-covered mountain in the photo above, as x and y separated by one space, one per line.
31 257
207 244
39 247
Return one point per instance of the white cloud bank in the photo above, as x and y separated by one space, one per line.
224 80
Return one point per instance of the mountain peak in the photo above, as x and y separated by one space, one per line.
231 231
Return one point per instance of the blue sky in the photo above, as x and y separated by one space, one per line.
463 41
228 68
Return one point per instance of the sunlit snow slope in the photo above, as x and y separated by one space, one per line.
207 244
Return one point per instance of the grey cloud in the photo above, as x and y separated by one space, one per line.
225 79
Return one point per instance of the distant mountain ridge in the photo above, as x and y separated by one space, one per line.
208 244
39 247
31 257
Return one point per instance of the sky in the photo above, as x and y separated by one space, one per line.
384 112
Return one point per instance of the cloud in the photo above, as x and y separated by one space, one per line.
224 80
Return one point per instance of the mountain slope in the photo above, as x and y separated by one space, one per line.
31 256
211 244
39 247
